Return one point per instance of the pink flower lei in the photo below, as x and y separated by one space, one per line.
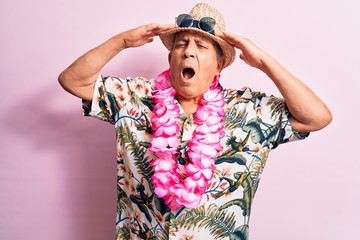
182 185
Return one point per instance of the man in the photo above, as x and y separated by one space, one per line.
190 153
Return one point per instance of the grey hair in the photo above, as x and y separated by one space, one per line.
219 51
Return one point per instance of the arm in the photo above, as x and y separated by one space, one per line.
308 111
79 78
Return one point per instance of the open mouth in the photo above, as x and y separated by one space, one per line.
188 73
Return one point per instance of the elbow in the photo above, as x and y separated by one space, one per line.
314 122
323 119
326 118
82 88
63 80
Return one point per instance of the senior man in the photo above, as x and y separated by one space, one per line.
190 153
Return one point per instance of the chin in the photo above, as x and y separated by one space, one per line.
187 93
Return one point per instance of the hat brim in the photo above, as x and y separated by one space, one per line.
228 51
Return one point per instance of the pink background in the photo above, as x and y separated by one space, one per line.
58 169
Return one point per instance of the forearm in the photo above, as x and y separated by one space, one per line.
79 78
308 111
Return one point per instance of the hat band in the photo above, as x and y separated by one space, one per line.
206 24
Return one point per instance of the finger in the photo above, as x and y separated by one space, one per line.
164 28
150 39
231 38
238 41
156 29
229 35
219 34
222 36
167 26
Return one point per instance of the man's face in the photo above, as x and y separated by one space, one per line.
193 64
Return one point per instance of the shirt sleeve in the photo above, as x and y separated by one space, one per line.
111 94
275 118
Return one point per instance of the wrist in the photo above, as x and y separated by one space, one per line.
267 63
119 43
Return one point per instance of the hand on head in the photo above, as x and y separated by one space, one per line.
139 36
250 53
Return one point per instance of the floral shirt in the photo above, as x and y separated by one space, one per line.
254 124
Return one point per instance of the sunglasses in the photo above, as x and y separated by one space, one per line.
207 24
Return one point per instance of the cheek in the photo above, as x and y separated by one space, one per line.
209 70
210 62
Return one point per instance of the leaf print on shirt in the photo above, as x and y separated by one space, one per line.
220 223
235 118
276 105
123 232
130 142
245 180
254 124
261 132
240 233
231 184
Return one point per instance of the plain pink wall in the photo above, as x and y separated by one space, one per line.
58 169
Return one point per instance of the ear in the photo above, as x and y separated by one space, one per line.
220 64
169 57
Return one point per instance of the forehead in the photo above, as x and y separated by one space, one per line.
186 35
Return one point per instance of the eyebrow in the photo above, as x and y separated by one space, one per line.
197 40
181 39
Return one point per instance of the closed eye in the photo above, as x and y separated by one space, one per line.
200 44
180 44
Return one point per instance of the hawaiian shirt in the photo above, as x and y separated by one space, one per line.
254 124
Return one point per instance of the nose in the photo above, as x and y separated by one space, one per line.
190 50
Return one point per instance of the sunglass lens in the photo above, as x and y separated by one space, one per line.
207 24
184 20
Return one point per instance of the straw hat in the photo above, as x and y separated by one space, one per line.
199 11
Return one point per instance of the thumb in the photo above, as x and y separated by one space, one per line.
242 57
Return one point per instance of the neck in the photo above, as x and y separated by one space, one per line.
188 105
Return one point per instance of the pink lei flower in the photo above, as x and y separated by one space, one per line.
184 185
